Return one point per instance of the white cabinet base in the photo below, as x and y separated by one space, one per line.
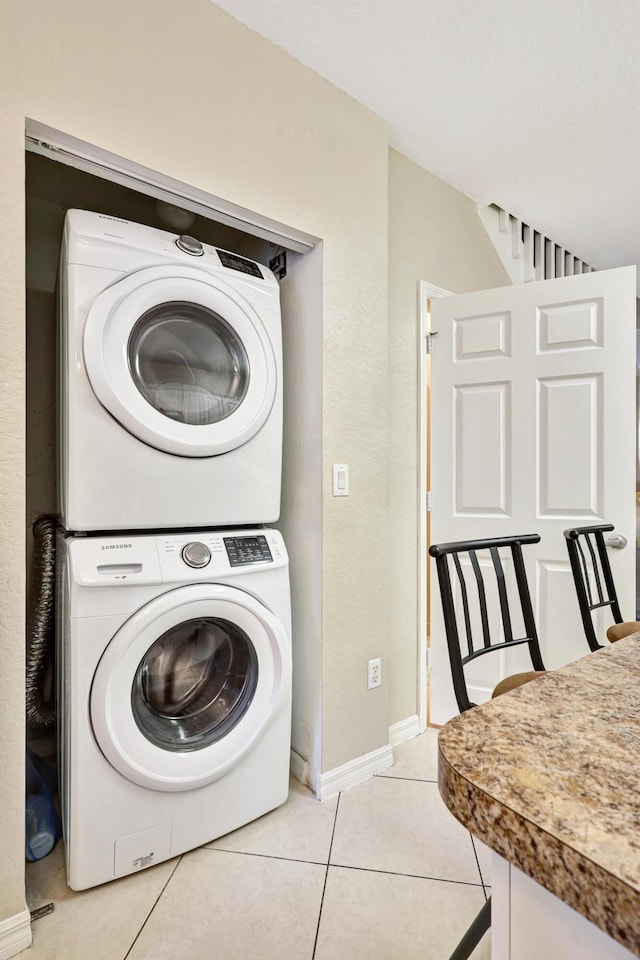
529 923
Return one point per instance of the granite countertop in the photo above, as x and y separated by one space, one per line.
548 776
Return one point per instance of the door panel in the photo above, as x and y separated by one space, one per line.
570 447
532 431
482 471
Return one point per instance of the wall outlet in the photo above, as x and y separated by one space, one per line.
374 673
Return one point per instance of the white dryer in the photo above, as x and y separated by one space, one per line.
174 660
170 381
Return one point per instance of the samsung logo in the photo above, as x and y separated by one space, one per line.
116 546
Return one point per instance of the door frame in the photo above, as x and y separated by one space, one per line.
426 291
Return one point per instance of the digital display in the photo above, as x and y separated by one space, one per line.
234 262
242 550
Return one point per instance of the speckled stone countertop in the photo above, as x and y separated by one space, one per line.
548 776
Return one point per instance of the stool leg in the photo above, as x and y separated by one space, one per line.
474 934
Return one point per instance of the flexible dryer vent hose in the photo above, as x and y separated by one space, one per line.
40 679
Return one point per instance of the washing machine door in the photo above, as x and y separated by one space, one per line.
188 684
181 360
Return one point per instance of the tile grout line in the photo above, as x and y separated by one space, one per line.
347 866
265 856
486 896
155 904
410 876
324 887
387 776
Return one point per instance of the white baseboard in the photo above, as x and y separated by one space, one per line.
15 934
354 772
299 768
404 730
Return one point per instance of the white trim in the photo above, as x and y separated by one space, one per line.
299 767
15 934
354 772
101 163
426 291
430 291
404 730
500 907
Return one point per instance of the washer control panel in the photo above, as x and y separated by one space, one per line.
241 550
122 561
196 554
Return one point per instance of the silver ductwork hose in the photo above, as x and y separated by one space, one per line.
40 679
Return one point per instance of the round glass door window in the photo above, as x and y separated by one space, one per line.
188 363
194 684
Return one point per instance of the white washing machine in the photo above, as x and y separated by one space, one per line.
170 381
174 660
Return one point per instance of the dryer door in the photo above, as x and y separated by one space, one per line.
188 684
181 360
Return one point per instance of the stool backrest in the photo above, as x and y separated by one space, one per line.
592 575
481 632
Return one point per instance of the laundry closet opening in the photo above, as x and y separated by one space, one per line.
52 188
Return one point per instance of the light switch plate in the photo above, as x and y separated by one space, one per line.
341 479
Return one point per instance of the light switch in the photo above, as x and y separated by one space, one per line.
341 479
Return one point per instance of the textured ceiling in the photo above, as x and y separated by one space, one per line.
534 106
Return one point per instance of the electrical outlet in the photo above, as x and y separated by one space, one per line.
374 673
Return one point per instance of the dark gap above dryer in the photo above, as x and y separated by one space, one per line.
52 188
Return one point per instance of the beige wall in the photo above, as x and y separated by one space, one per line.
434 235
311 158
249 124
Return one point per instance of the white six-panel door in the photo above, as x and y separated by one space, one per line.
533 431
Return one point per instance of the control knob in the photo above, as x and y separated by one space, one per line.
190 245
196 554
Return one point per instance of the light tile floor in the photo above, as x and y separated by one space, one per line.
382 872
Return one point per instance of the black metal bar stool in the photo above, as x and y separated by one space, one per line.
464 571
593 581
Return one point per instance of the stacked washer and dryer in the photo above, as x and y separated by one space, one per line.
174 638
